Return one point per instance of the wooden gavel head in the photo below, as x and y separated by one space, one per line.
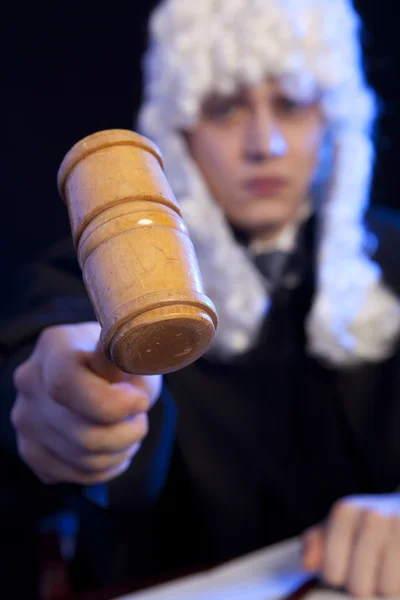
137 260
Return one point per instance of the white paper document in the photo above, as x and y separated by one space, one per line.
269 574
264 575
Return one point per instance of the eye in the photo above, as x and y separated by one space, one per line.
222 108
286 106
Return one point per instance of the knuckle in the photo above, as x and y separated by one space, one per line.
98 439
105 408
47 335
373 521
99 451
87 441
115 410
21 377
57 387
340 506
110 413
90 465
112 439
343 508
45 341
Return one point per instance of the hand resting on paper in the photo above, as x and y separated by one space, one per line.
357 547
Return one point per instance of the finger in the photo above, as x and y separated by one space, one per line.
149 385
368 546
82 437
29 425
89 463
26 376
49 469
90 353
388 577
84 463
313 548
340 531
62 353
60 365
93 438
82 343
100 364
71 384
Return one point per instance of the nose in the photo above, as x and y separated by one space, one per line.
263 139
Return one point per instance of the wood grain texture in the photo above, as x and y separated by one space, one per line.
138 262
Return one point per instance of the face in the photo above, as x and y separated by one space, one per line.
258 151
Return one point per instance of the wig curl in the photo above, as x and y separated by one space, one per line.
199 47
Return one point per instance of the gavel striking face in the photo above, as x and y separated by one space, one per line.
137 260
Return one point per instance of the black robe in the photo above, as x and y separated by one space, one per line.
238 456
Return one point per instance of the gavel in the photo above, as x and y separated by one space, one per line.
138 263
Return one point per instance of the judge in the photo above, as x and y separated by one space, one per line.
288 424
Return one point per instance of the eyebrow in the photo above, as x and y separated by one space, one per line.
221 97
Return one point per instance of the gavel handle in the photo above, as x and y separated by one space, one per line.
103 367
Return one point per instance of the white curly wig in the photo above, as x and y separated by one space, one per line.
202 46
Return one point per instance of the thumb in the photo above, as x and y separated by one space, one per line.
312 548
101 365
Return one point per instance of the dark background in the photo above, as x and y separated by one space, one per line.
64 77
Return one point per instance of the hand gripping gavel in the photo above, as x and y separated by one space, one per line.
137 260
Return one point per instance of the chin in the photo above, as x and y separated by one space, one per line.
256 224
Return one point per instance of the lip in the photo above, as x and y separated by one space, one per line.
265 186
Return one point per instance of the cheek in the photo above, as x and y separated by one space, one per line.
306 150
311 142
215 157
